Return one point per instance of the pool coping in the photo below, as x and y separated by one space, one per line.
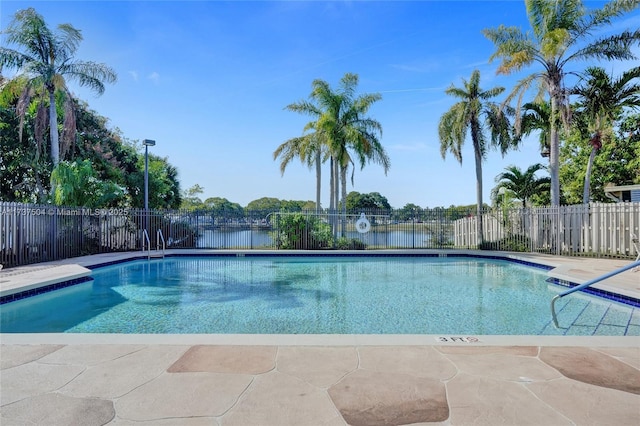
317 340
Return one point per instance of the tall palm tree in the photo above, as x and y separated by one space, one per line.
340 132
46 59
602 100
523 185
562 33
473 113
348 132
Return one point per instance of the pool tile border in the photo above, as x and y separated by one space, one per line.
44 289
116 262
620 298
353 254
627 300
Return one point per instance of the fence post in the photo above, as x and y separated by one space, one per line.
413 229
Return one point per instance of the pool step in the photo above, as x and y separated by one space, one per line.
156 254
581 316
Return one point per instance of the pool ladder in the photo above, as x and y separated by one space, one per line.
587 284
160 245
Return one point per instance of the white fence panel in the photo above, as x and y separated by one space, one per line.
596 229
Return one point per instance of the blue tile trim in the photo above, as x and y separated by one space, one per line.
284 253
596 292
332 254
358 254
45 289
339 254
115 262
620 298
508 259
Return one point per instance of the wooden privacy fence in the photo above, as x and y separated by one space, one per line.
596 229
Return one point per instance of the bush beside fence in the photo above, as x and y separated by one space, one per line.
34 233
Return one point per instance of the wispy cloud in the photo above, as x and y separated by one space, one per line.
134 75
479 64
154 77
425 66
409 68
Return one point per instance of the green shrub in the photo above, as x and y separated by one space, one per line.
345 243
302 232
519 243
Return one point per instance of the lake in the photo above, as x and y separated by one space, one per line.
262 239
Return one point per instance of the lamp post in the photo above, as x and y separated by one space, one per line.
147 143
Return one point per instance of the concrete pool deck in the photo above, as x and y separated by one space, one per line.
320 380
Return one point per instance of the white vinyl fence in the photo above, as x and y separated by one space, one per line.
596 229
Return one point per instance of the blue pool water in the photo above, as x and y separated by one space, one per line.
311 295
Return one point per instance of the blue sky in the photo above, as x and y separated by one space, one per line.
210 80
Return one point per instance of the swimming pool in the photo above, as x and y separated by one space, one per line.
317 295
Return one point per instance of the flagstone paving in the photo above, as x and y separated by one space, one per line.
127 384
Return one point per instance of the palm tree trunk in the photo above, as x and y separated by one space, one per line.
53 128
336 185
331 186
587 177
479 228
343 203
318 180
332 196
554 151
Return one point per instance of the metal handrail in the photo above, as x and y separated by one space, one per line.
587 284
160 238
145 235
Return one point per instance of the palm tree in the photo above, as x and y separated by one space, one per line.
602 101
523 185
340 132
559 29
535 117
346 128
45 60
471 114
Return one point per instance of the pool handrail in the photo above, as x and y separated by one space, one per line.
587 284
160 238
145 236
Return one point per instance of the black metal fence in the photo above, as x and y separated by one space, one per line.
36 233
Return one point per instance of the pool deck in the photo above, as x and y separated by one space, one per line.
65 379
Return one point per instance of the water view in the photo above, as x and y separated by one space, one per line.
263 239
